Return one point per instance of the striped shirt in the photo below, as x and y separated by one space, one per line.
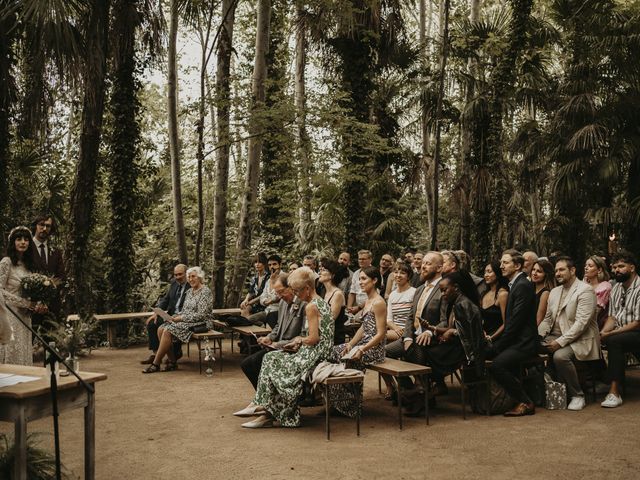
624 304
400 304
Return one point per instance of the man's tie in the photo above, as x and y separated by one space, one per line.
422 301
43 253
180 298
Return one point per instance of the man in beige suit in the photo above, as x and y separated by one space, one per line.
569 328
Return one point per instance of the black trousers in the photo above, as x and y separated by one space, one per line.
154 341
252 364
506 371
617 347
443 358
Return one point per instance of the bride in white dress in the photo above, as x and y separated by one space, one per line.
15 340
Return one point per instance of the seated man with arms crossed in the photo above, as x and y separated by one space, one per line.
171 303
569 328
290 321
621 331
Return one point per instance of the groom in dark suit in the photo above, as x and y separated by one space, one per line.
47 260
171 303
519 339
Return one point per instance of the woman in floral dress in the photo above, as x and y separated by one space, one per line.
369 340
281 378
15 339
197 311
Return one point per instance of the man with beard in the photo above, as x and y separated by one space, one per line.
569 328
344 259
427 310
47 260
621 331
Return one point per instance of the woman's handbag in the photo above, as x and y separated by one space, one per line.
555 394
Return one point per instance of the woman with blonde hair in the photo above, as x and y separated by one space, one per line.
280 383
596 274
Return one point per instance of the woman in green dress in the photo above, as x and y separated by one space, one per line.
281 378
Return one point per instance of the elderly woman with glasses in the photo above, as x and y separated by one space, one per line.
281 377
197 312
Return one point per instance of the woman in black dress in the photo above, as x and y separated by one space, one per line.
493 304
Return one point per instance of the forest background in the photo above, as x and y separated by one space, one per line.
204 131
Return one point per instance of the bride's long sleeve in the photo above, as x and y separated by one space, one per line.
10 298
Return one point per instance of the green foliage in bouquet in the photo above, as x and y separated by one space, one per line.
38 288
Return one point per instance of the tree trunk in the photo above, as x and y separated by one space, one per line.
466 142
7 29
436 158
424 114
204 34
83 195
250 194
124 157
174 145
223 99
304 161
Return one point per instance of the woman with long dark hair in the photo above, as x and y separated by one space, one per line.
368 342
543 277
15 338
331 274
493 305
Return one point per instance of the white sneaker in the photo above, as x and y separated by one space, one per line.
577 403
611 401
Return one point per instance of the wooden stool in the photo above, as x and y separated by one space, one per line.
356 382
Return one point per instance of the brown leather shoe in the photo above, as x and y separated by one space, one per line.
148 361
521 409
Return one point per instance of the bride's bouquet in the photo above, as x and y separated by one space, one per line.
38 288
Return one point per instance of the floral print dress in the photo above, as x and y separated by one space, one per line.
280 383
196 311
19 349
342 396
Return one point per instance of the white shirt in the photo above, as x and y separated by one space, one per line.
37 244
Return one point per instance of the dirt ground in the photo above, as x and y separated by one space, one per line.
178 425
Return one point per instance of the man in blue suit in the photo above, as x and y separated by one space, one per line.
519 339
171 303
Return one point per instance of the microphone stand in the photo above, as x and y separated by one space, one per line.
51 360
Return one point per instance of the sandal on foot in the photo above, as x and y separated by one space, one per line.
153 368
169 367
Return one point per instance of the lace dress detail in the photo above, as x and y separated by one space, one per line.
18 349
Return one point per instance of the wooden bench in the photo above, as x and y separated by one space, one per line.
217 345
356 382
249 331
399 368
111 319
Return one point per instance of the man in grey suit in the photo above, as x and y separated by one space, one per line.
290 320
569 328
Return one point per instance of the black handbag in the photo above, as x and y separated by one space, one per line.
199 329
